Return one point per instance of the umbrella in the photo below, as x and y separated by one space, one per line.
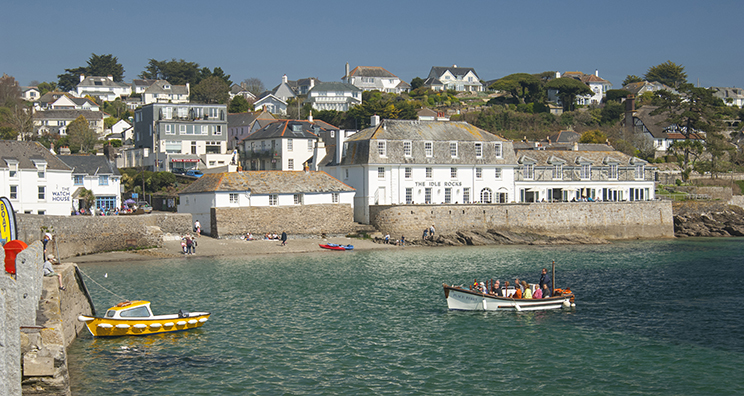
130 201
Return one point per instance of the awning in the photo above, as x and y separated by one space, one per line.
184 158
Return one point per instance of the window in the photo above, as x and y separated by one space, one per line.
408 172
429 149
13 192
290 144
173 147
204 130
78 180
334 197
478 173
409 195
448 195
139 312
478 150
407 149
381 148
103 180
497 149
486 195
453 173
640 170
42 193
310 144
217 130
613 171
273 199
557 171
466 195
193 147
453 149
298 199
41 172
290 164
380 172
169 129
182 129
346 173
13 168
427 195
497 173
528 171
586 171
428 173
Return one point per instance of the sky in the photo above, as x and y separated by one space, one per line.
265 40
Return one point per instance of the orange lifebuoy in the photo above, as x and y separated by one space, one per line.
123 304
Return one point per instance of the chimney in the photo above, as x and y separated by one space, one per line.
110 77
596 72
374 120
346 73
312 82
82 77
310 116
629 112
576 146
51 148
188 89
284 78
557 74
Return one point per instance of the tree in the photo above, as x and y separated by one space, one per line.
595 136
88 198
238 104
519 85
176 72
693 110
10 91
81 137
70 79
615 95
211 90
611 113
105 65
417 82
631 78
667 73
568 89
47 87
253 85
217 72
117 108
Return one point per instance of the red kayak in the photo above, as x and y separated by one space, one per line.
333 246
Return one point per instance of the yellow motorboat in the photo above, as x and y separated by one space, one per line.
136 318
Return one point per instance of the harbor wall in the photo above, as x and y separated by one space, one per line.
296 220
79 235
607 220
39 322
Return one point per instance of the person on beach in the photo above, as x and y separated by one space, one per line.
49 271
402 240
284 238
426 233
431 231
45 240
197 227
387 239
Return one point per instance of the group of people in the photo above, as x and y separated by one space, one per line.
188 244
519 289
429 233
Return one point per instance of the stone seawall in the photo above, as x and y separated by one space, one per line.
78 235
296 220
607 220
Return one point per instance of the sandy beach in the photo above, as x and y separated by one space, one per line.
210 247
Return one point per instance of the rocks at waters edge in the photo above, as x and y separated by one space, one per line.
497 237
709 221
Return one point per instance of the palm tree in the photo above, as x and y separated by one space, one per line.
87 197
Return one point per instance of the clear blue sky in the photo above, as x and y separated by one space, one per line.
266 39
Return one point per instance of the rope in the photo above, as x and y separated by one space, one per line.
100 285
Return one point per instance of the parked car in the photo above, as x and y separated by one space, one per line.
194 173
178 171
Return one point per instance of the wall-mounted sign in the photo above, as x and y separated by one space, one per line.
8 226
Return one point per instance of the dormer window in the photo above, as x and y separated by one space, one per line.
586 172
612 172
40 168
12 167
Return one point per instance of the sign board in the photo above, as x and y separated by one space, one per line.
8 226
135 195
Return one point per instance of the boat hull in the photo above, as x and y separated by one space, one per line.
468 300
336 247
105 327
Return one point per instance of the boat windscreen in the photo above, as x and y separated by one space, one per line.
110 313
138 312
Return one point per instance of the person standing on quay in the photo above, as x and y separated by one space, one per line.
197 228
284 238
431 232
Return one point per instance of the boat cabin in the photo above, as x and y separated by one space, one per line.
130 309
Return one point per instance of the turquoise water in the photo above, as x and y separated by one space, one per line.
652 317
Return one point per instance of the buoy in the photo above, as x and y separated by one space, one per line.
181 322
485 305
192 321
140 326
155 325
105 275
202 320
122 326
82 318
573 305
105 325
566 304
169 324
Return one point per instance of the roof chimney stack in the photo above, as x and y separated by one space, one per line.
284 78
82 77
374 120
596 72
310 116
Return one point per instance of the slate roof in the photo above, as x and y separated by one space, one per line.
636 87
99 81
90 164
565 137
82 101
24 152
425 130
143 82
285 129
371 71
245 119
50 97
334 86
572 158
267 182
656 124
158 87
437 71
69 114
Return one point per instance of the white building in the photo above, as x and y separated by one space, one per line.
103 87
55 122
242 125
98 174
281 145
260 189
370 78
162 91
597 85
423 162
334 96
35 181
455 78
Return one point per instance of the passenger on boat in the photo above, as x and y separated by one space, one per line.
483 289
545 291
518 290
537 294
496 289
527 290
545 279
518 284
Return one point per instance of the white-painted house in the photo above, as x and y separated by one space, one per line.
260 189
98 174
34 179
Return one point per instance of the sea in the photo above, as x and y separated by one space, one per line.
661 317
